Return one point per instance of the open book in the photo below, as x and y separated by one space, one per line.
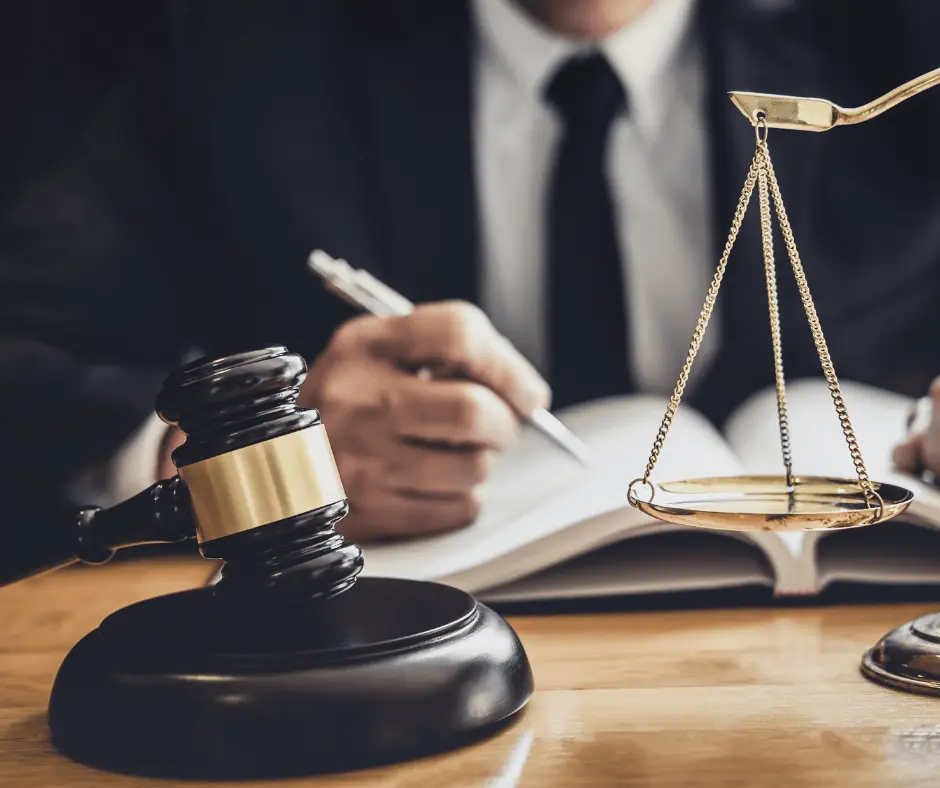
551 529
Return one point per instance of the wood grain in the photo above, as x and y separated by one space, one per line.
718 697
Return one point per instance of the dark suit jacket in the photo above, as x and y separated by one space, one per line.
57 61
259 131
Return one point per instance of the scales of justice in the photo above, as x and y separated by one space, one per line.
908 658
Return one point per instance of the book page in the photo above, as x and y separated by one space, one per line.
885 553
878 418
895 553
536 494
818 445
686 561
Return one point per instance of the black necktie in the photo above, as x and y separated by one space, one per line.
587 319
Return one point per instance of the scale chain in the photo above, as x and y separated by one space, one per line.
819 339
761 174
702 324
773 306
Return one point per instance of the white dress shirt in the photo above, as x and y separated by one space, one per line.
658 173
657 168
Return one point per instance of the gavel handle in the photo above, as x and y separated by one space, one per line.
161 514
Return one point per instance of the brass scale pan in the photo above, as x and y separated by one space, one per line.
768 503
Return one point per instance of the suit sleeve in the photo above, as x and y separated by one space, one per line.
89 320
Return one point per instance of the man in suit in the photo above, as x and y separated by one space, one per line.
570 168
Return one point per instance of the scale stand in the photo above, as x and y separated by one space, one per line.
908 658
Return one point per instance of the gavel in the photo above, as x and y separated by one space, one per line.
290 664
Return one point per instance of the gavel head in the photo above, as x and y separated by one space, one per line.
262 480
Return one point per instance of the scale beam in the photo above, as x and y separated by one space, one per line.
800 113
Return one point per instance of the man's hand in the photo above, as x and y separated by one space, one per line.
413 451
165 467
921 451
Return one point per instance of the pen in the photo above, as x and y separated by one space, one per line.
362 290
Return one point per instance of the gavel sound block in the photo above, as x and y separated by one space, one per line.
290 664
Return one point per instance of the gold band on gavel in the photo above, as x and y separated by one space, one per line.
263 483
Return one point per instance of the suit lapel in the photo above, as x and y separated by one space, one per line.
417 68
749 46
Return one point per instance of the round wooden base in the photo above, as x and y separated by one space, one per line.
199 685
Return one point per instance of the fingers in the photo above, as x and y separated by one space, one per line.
457 413
402 515
907 455
921 450
412 451
371 403
171 440
930 440
407 490
459 337
417 470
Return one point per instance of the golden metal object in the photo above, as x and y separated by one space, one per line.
263 483
767 242
814 114
907 658
772 503
701 325
769 502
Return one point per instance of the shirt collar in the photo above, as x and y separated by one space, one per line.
641 54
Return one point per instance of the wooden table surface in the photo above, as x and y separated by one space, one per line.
716 697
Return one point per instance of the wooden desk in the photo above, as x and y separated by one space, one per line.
742 697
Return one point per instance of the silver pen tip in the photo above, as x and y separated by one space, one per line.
550 426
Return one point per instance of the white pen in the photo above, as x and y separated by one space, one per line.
362 290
